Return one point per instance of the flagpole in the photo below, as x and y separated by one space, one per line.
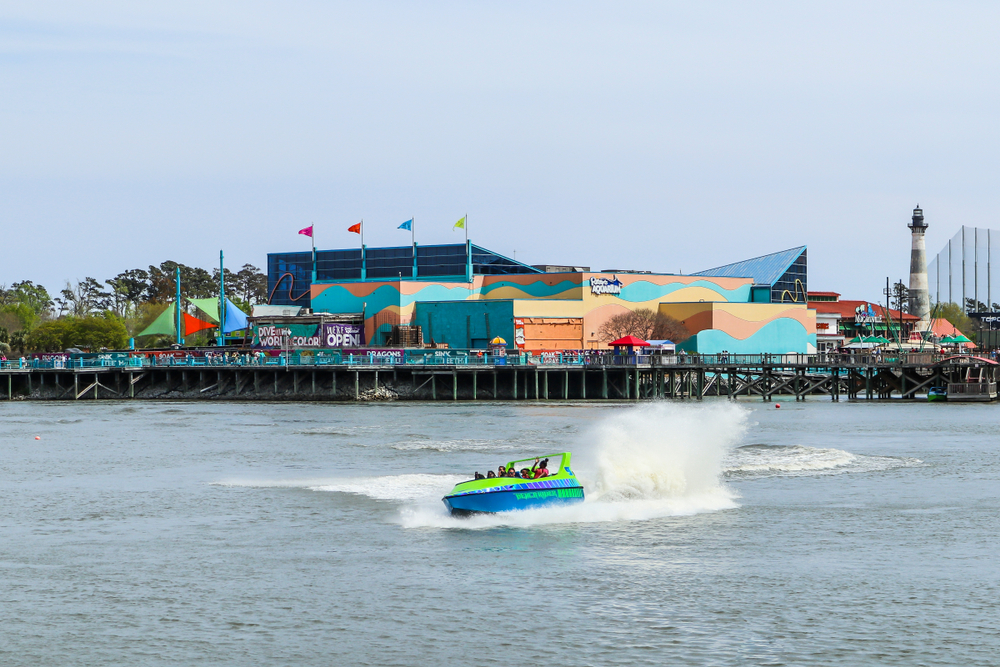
364 263
222 301
312 237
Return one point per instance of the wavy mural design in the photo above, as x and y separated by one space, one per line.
537 289
743 327
780 336
717 312
644 290
508 292
348 298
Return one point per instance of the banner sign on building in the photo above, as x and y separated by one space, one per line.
343 335
865 314
605 286
289 335
987 320
377 355
519 332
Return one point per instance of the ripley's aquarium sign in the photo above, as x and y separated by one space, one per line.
605 286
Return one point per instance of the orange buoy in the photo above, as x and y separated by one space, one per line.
777 405
38 437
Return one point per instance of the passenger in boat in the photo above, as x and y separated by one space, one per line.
490 474
501 471
511 472
525 473
543 469
479 475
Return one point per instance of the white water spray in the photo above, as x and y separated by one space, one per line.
661 451
648 461
641 462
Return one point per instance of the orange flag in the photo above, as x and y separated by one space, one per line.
193 324
355 228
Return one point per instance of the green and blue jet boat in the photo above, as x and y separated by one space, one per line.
505 494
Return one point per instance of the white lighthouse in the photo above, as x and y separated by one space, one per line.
920 301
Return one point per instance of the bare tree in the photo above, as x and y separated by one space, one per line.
645 324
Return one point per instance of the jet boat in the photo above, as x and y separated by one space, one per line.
504 494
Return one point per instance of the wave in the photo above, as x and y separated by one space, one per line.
337 430
754 461
464 445
406 487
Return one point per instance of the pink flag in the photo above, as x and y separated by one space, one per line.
308 231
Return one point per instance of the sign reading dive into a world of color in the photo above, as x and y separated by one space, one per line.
605 286
343 335
293 336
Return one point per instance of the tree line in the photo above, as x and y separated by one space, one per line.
93 314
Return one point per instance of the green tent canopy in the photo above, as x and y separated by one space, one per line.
165 324
208 306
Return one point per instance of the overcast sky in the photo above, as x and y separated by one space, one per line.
662 136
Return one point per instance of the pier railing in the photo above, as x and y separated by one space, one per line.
379 357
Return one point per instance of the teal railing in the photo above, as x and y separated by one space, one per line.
377 357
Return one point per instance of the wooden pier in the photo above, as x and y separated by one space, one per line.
798 376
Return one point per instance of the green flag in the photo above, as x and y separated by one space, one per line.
460 224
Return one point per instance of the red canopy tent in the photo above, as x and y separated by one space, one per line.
629 341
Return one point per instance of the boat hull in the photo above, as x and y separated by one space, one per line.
511 500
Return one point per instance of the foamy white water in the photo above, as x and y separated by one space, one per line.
385 487
797 460
643 462
639 463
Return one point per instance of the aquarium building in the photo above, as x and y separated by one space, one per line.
464 295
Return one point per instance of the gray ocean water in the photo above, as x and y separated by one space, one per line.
308 534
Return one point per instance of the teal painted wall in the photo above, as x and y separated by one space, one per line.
782 336
760 294
463 323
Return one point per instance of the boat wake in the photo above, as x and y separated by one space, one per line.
642 463
756 461
412 487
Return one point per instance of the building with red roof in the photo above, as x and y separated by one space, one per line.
838 321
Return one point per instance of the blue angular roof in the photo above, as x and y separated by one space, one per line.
765 270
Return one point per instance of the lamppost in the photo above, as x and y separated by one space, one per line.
898 294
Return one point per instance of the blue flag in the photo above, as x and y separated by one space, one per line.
408 225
